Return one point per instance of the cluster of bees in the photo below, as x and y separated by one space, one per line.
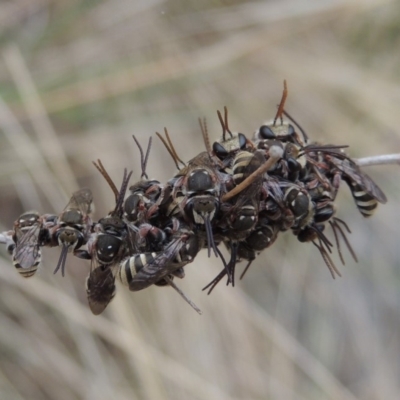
239 192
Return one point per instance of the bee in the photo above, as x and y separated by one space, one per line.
141 204
283 132
240 214
30 233
73 226
140 271
100 288
225 148
337 166
143 270
194 191
109 243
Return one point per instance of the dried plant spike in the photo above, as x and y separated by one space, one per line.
107 177
378 160
281 104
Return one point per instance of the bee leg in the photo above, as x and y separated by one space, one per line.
210 237
215 281
84 254
61 260
246 268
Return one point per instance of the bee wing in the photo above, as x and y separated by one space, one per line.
27 250
81 200
100 288
372 188
159 267
353 171
275 190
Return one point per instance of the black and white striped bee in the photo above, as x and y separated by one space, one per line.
142 203
330 162
110 241
140 271
226 148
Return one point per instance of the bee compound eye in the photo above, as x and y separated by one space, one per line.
199 180
266 132
220 150
300 205
242 141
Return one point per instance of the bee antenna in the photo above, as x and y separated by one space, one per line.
246 268
204 132
281 104
121 195
305 136
107 177
143 159
226 121
215 281
171 150
61 260
146 158
221 121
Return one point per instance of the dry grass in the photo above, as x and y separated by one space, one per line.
77 78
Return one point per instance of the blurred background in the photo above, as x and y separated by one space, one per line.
78 78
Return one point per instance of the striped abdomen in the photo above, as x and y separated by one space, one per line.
240 168
27 261
131 266
365 203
